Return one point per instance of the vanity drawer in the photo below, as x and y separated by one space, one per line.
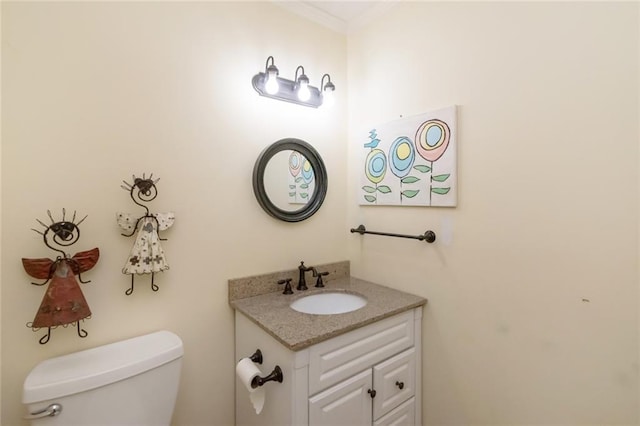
395 382
404 415
342 357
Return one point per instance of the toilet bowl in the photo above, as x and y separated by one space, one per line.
131 382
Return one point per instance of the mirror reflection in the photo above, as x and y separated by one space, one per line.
289 180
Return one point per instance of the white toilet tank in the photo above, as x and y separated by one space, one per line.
127 383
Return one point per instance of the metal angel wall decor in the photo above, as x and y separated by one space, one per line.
63 302
147 255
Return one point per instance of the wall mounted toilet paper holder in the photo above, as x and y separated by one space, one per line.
275 376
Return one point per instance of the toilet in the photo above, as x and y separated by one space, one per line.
127 383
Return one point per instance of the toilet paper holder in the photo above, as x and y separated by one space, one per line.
275 376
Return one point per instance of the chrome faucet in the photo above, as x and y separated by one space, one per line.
302 283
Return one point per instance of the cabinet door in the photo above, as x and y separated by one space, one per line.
404 415
394 381
348 403
337 359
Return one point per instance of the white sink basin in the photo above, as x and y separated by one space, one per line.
328 303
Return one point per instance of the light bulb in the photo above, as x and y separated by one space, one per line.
327 91
272 86
327 98
303 91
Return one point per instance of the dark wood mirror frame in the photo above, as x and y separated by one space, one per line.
320 175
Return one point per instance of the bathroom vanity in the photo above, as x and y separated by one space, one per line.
355 368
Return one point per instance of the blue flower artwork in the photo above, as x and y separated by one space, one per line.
419 154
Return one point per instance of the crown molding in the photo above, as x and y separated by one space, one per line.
314 14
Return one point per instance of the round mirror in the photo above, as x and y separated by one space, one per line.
290 180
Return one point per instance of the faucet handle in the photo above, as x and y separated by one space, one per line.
287 286
319 282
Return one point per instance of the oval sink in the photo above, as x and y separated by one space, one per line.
328 303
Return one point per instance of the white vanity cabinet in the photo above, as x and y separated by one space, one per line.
367 376
375 396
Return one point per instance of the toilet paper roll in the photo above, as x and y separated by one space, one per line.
247 370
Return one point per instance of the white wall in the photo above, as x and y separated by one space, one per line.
533 304
96 92
93 93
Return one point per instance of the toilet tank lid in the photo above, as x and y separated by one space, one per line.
92 368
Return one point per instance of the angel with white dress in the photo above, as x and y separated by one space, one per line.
147 255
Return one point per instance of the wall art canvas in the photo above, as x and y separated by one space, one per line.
410 161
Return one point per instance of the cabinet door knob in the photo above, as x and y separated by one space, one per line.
372 392
400 385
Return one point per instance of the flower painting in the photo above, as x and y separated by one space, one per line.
411 161
301 179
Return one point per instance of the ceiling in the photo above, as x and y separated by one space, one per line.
341 16
344 10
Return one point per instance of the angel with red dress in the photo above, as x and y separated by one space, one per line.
63 302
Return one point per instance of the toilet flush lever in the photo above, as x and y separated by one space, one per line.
51 411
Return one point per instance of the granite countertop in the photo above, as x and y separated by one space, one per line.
296 330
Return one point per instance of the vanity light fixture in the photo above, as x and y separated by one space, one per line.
297 91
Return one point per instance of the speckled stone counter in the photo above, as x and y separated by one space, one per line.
296 330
